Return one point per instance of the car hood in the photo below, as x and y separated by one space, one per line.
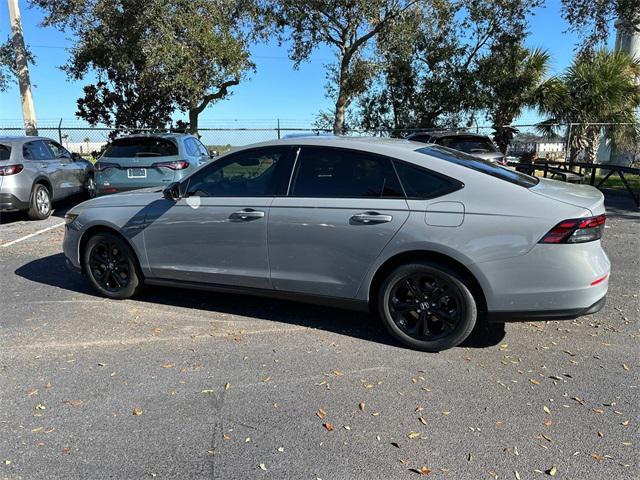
584 196
132 198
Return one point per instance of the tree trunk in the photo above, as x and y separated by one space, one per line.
193 120
341 107
591 152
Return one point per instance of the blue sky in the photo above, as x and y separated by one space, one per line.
275 90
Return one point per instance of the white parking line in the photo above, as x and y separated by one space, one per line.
26 237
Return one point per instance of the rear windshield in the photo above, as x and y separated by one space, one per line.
468 144
5 152
141 147
484 166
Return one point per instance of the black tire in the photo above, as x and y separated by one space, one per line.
89 187
427 306
40 203
111 266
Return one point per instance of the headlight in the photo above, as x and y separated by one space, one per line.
70 217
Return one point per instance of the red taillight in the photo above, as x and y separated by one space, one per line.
102 166
10 170
174 165
598 280
576 230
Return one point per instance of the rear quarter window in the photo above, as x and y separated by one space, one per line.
420 183
479 165
5 152
141 147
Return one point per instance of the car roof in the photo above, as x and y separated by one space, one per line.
156 135
20 138
450 133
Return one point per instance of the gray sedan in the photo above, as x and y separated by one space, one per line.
430 238
36 171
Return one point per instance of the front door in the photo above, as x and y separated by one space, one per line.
217 233
343 208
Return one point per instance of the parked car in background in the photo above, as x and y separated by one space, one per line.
479 146
140 161
36 171
432 239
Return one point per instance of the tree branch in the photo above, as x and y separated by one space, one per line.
221 93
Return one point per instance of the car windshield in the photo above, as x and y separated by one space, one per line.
141 147
480 165
468 144
5 152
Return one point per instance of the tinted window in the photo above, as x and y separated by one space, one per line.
36 151
141 147
421 183
479 165
329 172
468 144
203 150
57 150
5 152
252 173
191 146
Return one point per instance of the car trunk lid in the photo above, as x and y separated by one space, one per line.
584 196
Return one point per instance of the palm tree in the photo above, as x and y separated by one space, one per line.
601 88
515 81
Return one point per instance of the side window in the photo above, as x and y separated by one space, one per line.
58 150
36 150
192 147
203 150
421 183
332 172
252 173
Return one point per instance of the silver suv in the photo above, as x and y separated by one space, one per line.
36 171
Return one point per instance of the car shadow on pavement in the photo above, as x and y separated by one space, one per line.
51 271
59 210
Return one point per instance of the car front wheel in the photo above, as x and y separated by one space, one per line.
111 266
427 306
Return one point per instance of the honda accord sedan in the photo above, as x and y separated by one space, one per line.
429 238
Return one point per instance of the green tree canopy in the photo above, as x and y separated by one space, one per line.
153 57
348 26
595 89
435 65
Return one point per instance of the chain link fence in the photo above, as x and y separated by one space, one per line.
528 140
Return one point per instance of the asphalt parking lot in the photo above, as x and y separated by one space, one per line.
181 384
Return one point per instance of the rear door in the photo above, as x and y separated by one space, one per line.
196 151
218 233
41 161
343 207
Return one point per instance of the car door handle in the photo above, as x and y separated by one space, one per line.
369 218
246 214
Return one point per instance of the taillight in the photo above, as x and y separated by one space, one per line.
102 166
576 230
10 170
173 165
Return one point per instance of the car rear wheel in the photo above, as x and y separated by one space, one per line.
427 306
111 266
40 204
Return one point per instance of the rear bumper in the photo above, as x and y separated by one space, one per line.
532 316
10 203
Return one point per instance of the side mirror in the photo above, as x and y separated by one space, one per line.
172 192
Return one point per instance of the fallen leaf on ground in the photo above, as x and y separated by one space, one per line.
227 386
263 467
424 470
206 391
534 381
413 435
167 365
546 409
320 413
328 426
422 420
73 403
361 406
137 411
552 471
625 366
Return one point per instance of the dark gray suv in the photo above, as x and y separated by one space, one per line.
36 171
